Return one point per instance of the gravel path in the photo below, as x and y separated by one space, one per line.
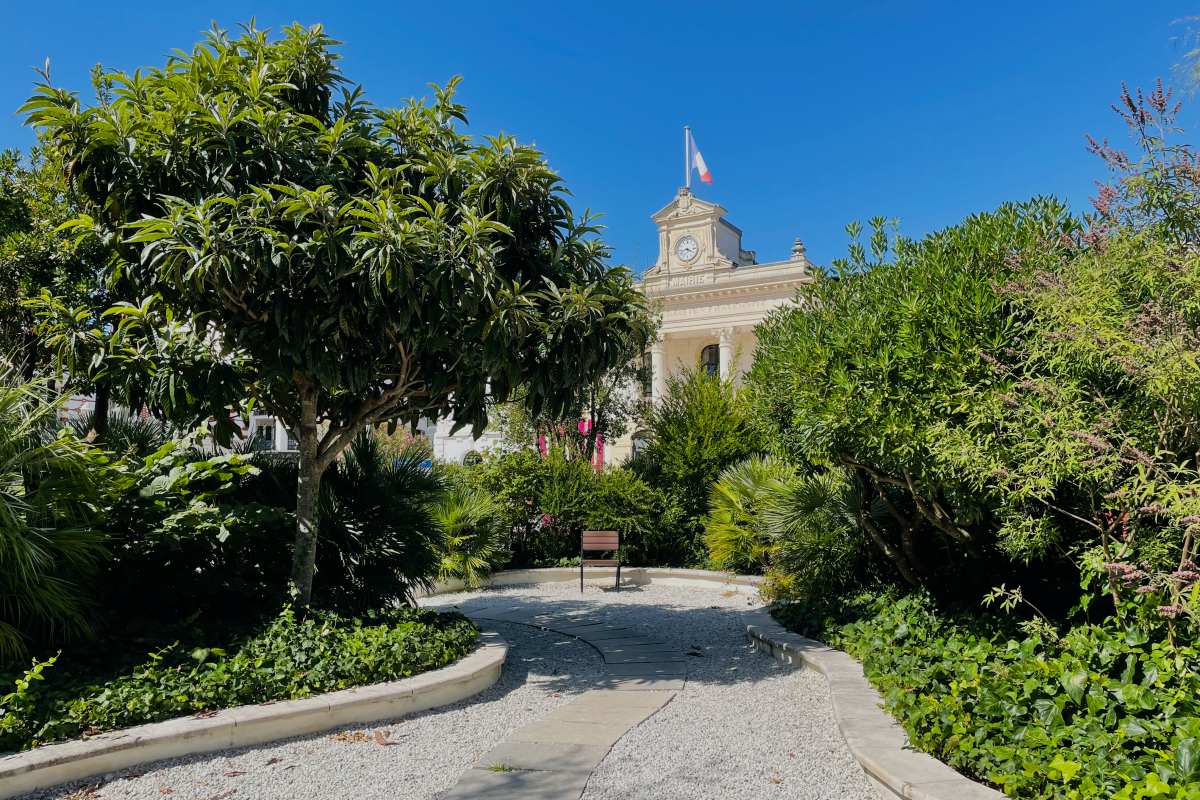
743 726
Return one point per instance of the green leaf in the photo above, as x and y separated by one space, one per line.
1075 683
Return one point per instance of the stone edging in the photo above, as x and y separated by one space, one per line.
636 576
874 737
53 764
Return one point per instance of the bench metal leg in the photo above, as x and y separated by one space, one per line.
618 575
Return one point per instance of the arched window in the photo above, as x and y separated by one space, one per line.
710 360
647 374
472 458
639 440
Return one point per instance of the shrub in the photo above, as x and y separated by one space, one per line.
1101 712
701 426
175 515
817 538
289 658
49 545
216 531
470 525
734 532
648 520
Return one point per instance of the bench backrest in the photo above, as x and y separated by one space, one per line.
600 540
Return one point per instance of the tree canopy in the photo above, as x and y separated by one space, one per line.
359 264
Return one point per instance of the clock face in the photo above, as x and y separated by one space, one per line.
687 248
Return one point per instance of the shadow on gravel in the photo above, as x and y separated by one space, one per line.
711 637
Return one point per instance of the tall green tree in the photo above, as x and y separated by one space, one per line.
364 264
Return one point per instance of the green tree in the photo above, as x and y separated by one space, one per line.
365 264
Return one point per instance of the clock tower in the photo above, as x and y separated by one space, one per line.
693 235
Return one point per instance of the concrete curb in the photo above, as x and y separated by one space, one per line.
53 764
636 576
874 737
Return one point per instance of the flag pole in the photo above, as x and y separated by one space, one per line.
687 167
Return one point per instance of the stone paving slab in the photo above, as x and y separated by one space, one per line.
651 656
558 732
619 645
544 756
482 784
647 670
641 684
624 634
554 756
607 698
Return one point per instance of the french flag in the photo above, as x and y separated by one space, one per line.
695 159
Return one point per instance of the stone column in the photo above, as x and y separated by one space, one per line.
725 346
658 368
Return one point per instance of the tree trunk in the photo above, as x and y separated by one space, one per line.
29 346
878 536
100 409
308 486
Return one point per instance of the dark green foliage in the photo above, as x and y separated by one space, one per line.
288 658
877 368
1103 712
473 536
647 518
545 502
214 557
126 433
701 426
49 547
817 546
217 531
734 532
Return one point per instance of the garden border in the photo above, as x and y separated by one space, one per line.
54 764
875 738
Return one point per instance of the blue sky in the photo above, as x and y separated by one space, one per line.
809 115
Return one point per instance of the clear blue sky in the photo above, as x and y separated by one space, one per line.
810 114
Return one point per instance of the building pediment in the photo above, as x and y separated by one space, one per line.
686 205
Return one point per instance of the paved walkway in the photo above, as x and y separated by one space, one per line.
554 757
749 728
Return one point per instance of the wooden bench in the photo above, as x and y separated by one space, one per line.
600 542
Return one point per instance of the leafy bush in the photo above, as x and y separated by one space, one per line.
470 524
289 658
1100 712
127 433
174 515
49 547
216 531
734 531
701 426
546 501
818 545
647 519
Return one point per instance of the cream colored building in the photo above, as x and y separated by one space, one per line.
710 293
